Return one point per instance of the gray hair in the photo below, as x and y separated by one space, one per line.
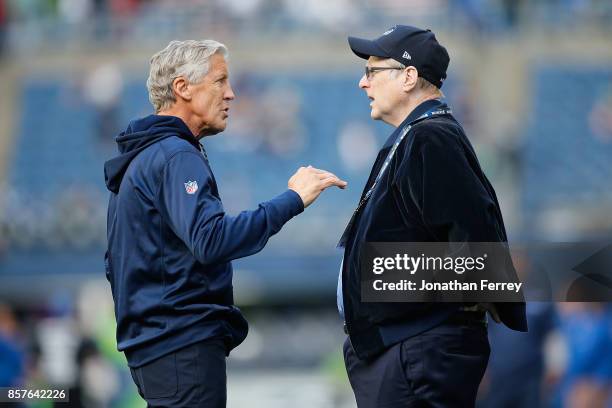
189 59
422 84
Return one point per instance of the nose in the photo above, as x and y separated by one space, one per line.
229 94
363 82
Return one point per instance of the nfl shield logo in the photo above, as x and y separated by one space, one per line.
191 187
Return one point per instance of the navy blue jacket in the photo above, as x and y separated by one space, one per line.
433 191
170 242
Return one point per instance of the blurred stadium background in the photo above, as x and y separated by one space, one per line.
530 80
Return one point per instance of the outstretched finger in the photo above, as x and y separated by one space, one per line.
333 181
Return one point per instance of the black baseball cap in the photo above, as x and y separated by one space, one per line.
410 46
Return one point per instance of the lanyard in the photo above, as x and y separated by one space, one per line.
434 112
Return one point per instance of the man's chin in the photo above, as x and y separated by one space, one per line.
211 131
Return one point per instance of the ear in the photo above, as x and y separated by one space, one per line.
180 86
410 76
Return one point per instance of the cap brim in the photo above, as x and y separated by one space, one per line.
366 48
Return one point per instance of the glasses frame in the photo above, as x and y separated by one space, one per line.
370 71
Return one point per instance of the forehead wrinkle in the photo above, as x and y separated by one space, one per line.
218 71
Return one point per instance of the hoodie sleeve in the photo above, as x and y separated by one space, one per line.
453 202
196 214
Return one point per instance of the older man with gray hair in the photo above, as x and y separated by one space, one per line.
170 243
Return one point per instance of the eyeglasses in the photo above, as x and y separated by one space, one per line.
369 71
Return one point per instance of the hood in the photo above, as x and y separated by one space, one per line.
140 134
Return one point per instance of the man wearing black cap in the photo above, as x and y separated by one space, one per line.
425 186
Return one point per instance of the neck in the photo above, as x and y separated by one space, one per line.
409 106
194 123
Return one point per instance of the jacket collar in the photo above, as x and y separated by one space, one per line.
416 113
424 107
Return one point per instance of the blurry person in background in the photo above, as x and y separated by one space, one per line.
521 372
103 88
587 330
516 373
425 186
170 242
12 359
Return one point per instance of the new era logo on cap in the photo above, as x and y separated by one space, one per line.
406 55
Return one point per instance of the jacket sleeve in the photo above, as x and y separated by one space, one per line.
452 200
197 217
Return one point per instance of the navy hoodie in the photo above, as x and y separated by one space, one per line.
170 242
